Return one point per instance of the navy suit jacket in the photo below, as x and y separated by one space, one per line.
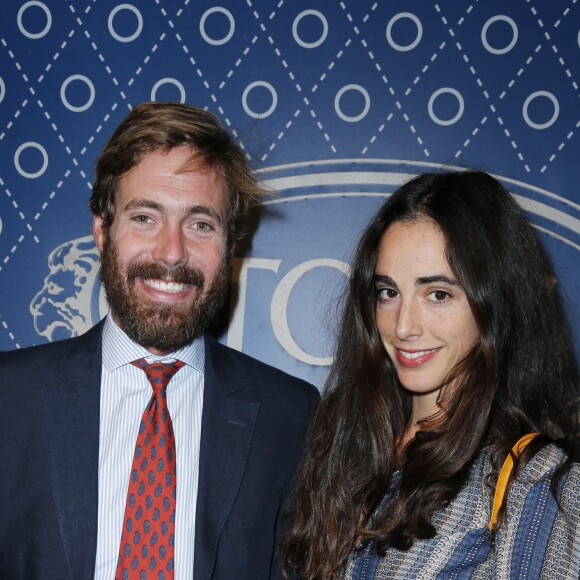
253 427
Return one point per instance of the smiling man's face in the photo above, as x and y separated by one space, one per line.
165 264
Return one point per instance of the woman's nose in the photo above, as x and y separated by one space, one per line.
409 320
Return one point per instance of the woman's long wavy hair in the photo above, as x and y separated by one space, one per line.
520 377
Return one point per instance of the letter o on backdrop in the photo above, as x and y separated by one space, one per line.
411 45
323 36
38 147
205 35
168 81
551 120
456 117
365 110
271 108
64 99
512 42
138 30
23 9
279 308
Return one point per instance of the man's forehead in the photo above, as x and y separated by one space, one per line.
175 160
173 170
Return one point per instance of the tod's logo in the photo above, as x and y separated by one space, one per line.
72 300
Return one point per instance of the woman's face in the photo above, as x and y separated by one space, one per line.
423 316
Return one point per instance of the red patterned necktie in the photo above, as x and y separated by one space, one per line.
147 541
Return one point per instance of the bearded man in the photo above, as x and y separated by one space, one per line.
144 448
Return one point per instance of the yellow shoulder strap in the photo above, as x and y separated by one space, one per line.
504 476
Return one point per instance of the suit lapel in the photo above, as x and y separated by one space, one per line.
72 405
227 429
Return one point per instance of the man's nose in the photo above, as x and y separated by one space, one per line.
170 246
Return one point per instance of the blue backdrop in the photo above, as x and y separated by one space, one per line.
334 102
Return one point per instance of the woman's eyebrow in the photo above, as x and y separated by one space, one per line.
378 278
436 278
423 280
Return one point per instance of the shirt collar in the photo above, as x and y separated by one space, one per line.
120 350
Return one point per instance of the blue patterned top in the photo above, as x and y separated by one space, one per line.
535 539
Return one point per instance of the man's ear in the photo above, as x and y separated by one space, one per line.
98 232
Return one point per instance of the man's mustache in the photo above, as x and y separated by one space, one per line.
180 274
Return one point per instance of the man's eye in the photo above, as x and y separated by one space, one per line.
142 219
202 227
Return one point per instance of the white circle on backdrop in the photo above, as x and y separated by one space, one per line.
228 36
458 115
552 119
323 36
0 226
137 32
251 87
45 9
64 99
365 110
513 41
168 81
578 38
404 47
31 145
2 89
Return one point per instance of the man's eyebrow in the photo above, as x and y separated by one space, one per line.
204 210
142 203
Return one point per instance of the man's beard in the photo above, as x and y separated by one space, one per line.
165 327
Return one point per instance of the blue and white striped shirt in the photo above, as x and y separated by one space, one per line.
125 392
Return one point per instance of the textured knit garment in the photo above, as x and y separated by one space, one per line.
535 540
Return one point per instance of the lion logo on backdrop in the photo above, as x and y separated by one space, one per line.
63 307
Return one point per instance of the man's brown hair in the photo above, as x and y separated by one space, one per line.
162 126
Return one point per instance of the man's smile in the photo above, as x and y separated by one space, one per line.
165 286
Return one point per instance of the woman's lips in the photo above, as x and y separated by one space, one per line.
412 359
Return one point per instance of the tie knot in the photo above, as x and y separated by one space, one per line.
159 374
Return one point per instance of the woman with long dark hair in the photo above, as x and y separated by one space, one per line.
453 360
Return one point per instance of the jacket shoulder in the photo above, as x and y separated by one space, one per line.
258 375
41 358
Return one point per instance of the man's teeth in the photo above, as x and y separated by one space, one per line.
412 355
165 286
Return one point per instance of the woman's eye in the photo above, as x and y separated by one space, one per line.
387 294
439 296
